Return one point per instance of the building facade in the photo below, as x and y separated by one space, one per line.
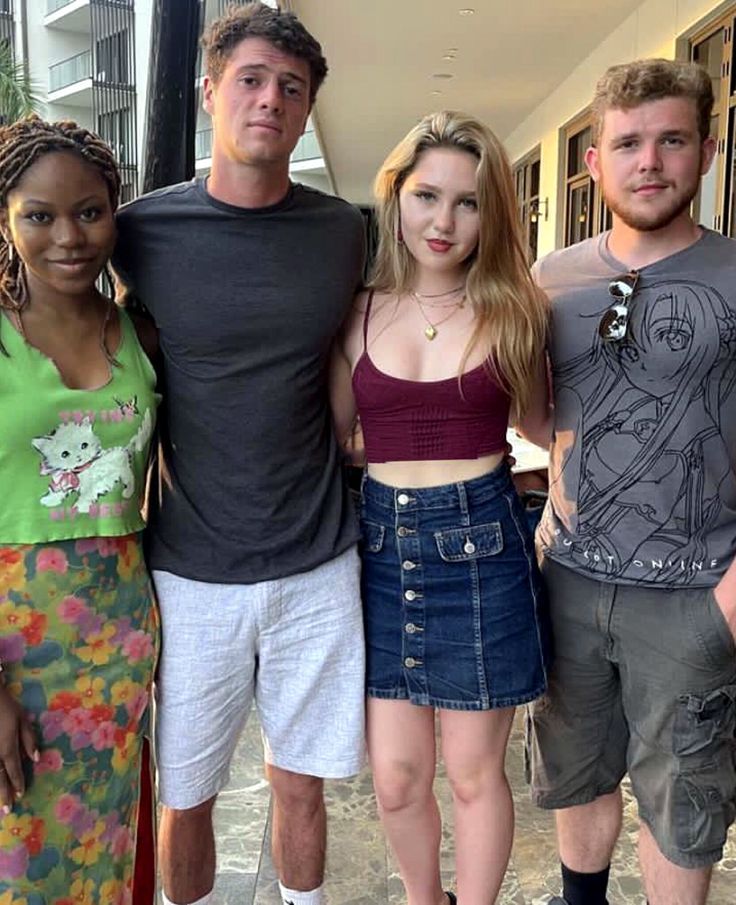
88 60
558 201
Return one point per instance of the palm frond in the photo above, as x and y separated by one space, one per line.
18 96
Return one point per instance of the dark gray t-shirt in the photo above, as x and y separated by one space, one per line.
643 464
247 302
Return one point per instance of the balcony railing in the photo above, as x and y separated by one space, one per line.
5 8
307 148
53 5
67 72
203 144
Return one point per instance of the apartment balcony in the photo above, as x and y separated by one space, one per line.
307 154
68 15
203 146
70 81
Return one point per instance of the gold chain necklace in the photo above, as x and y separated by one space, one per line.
431 331
439 295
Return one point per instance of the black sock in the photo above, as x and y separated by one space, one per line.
584 889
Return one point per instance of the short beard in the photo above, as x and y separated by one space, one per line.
660 220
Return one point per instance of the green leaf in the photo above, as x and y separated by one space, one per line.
18 95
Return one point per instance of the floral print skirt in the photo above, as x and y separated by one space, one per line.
78 644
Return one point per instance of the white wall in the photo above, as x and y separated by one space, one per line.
47 46
650 31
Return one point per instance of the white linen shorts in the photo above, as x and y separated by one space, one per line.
293 645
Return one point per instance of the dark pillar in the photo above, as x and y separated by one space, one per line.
170 109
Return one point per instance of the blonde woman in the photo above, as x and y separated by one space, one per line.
445 345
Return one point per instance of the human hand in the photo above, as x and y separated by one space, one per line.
354 447
16 739
725 595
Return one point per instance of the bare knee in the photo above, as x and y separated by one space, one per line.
188 819
472 783
296 793
400 785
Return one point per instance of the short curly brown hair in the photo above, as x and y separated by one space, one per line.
628 85
256 20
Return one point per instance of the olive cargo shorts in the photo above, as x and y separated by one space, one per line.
643 680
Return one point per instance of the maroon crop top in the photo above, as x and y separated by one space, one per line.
421 420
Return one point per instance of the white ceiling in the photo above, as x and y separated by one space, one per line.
383 55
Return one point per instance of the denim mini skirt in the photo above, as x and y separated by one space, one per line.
454 610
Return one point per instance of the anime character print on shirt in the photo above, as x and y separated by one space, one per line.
642 435
80 470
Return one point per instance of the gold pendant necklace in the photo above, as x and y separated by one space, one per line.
431 331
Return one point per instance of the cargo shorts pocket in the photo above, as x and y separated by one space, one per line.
372 537
464 544
705 786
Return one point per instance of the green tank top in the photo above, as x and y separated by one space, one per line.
72 462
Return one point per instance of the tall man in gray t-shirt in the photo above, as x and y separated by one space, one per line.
252 544
639 537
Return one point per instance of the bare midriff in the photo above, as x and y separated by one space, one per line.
433 473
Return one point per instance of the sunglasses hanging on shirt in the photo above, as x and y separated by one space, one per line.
615 320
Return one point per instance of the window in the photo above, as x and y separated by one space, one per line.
712 47
117 130
585 213
113 59
526 180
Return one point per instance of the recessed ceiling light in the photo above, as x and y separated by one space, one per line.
436 92
442 75
468 11
449 57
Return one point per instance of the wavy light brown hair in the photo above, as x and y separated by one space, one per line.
629 85
511 313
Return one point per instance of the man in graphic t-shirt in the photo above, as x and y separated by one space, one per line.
639 537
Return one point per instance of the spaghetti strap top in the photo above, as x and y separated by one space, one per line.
423 420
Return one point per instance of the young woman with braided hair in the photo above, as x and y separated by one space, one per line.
78 627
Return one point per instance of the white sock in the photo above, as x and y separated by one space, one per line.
295 897
205 900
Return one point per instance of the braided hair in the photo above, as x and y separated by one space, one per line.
21 144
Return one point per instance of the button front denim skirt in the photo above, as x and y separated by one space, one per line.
455 615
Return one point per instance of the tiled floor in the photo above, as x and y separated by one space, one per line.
360 869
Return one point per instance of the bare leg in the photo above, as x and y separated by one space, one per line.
299 832
587 833
402 752
666 883
473 748
186 851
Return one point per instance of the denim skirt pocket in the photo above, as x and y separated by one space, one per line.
464 544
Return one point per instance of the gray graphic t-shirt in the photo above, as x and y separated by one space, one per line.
643 463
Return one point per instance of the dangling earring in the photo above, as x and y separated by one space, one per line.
399 235
11 253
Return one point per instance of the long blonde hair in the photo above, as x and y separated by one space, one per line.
511 313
